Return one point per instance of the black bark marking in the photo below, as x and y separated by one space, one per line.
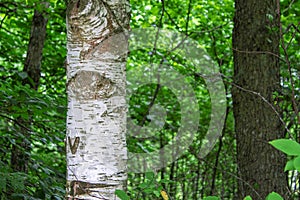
80 187
75 145
90 85
78 4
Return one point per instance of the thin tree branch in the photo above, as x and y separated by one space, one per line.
188 17
16 122
295 107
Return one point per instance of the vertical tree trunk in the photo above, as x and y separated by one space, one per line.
96 122
34 56
32 67
256 68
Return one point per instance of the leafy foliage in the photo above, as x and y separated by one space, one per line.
291 148
43 112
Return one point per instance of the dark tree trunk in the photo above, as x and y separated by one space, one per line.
33 60
20 150
256 68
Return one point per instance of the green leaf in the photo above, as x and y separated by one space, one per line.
274 196
17 181
122 195
287 146
23 75
149 190
289 165
296 163
149 175
2 183
156 193
143 185
211 198
248 198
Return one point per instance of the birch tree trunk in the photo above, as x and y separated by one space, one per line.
96 122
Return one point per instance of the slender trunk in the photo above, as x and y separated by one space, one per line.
34 56
172 184
32 67
96 122
256 77
196 182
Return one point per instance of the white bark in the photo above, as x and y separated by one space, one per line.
96 121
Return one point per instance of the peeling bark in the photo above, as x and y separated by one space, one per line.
96 122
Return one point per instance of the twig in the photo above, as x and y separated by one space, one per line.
16 122
287 60
188 17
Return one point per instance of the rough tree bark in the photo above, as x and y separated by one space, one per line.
32 67
34 56
256 68
96 120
